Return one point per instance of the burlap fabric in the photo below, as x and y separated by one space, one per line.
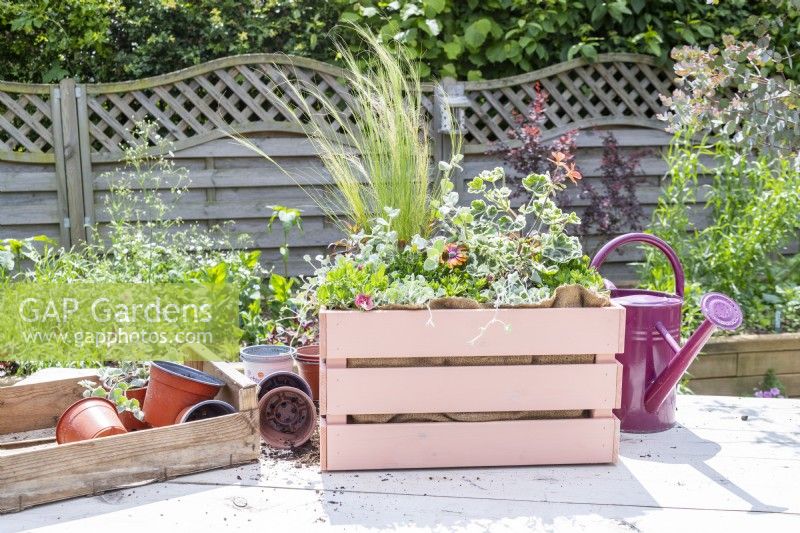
564 296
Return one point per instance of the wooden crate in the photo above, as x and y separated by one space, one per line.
45 473
593 387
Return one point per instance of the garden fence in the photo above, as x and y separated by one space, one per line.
60 144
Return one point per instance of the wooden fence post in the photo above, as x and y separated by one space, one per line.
61 173
449 102
85 150
71 159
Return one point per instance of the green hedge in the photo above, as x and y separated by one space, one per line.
111 40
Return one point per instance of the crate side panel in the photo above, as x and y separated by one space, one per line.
463 444
38 405
77 469
473 332
240 390
352 391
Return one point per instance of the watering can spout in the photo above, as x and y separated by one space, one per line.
720 312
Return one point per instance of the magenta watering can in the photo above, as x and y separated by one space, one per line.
653 360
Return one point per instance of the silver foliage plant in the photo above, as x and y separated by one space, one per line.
509 247
736 92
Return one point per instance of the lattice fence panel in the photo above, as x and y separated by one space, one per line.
581 96
222 99
25 123
229 95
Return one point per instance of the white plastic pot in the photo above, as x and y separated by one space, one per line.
261 360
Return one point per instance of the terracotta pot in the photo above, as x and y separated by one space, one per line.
307 359
287 417
89 418
174 387
282 379
203 410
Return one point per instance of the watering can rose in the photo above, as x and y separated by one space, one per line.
118 321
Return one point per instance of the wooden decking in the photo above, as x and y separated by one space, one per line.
733 465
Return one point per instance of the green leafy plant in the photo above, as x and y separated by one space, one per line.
346 280
725 136
144 242
289 218
114 40
134 374
751 208
116 394
115 381
13 252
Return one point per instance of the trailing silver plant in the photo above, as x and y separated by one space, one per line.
511 247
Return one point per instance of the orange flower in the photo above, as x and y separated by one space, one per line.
454 255
558 158
573 173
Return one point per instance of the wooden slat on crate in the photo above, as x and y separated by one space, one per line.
473 332
446 444
239 391
470 388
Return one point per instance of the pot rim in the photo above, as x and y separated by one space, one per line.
184 414
308 347
261 391
284 353
195 375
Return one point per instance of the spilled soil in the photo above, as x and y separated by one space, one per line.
302 456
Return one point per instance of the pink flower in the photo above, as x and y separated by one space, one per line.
364 301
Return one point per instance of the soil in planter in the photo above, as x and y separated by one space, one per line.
305 455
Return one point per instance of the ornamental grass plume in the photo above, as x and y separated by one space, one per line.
379 156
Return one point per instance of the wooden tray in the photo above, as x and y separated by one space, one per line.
42 471
593 387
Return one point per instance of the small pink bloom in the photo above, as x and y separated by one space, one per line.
364 301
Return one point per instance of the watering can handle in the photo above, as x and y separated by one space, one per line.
613 244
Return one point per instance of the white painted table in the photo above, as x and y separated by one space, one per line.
733 465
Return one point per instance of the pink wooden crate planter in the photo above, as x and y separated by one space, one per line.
593 387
